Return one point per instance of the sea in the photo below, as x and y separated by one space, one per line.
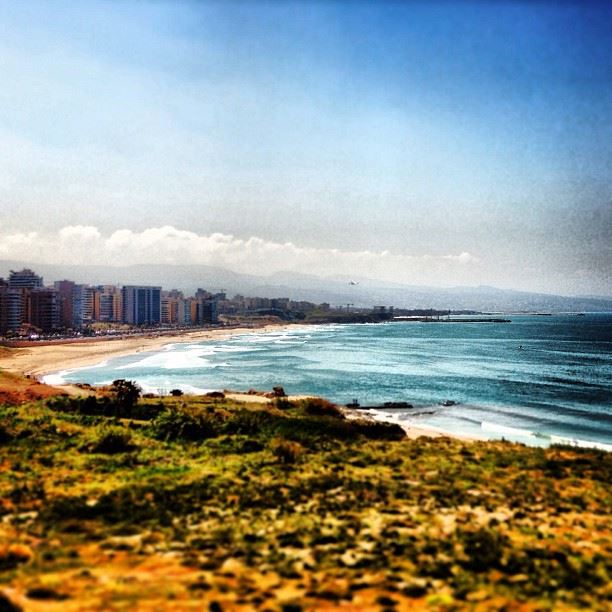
539 380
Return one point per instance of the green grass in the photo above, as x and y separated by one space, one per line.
292 504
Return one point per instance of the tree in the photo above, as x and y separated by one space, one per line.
126 394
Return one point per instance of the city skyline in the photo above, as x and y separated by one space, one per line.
422 143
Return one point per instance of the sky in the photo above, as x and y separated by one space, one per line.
435 143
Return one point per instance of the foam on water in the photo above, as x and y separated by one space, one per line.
580 443
55 379
175 360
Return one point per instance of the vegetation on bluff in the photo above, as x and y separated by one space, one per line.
289 505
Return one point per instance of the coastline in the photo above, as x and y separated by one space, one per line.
39 361
42 362
412 431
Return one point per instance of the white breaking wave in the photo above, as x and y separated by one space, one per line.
174 360
580 443
55 379
505 429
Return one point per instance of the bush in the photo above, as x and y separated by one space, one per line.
5 435
282 403
250 422
112 440
176 393
184 424
316 406
377 430
104 407
483 548
286 451
125 394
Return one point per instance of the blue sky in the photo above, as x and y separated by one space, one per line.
423 130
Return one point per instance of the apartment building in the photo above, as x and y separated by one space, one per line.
141 305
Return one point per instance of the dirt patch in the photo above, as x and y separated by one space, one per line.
15 389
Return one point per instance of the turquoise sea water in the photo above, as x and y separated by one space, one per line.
536 380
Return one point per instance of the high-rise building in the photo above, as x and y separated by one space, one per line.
44 309
202 294
24 279
91 304
78 304
170 310
208 311
11 308
187 311
141 305
110 303
65 290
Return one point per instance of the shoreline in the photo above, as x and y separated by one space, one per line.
47 359
41 361
412 431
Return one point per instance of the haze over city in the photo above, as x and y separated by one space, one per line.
422 143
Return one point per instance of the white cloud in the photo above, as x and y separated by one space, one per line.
80 244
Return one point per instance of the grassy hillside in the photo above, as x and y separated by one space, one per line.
201 503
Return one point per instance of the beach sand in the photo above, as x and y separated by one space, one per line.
38 361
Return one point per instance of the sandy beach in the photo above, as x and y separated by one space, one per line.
38 361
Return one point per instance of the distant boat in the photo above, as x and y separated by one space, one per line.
448 403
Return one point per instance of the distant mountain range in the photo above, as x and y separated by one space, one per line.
335 290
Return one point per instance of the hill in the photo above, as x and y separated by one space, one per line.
337 291
202 502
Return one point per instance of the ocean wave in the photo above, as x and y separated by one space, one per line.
549 438
558 380
56 378
580 443
175 360
164 388
508 430
59 378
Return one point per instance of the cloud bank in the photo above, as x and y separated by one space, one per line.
82 245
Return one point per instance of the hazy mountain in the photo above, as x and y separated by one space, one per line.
335 290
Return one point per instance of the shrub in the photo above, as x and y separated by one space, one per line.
102 407
317 406
278 392
5 435
183 424
313 430
125 393
282 403
483 548
250 422
112 440
13 555
286 451
377 430
250 446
